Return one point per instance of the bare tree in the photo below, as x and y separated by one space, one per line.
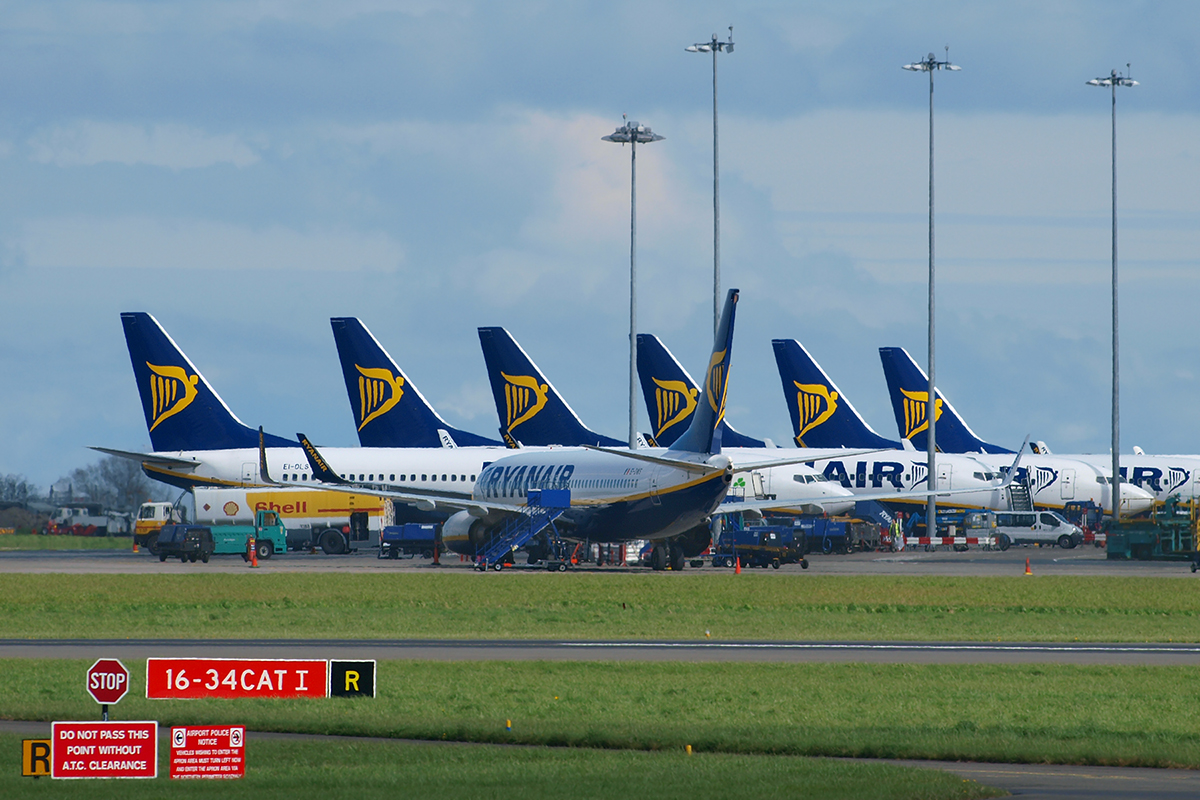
117 483
16 489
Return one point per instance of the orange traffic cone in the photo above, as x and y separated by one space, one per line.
253 553
135 545
737 570
1028 571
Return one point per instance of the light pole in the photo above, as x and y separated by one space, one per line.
931 65
715 47
633 134
1114 80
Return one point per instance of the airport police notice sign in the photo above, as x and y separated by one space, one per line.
193 678
215 752
104 750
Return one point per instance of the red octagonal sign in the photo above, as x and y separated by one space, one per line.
107 680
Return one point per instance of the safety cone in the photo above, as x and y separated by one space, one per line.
253 553
1028 571
737 570
436 552
135 545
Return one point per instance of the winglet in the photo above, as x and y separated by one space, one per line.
320 467
264 474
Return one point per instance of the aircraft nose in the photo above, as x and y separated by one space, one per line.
1135 502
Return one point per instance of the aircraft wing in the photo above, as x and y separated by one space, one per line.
148 458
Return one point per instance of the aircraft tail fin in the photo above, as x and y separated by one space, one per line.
531 410
704 433
908 386
671 396
183 412
389 410
822 416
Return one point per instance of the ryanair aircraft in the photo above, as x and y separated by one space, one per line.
1142 476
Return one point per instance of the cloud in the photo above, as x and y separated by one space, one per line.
149 243
174 146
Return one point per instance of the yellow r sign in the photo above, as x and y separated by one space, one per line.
35 758
352 678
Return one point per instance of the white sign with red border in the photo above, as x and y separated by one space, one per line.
214 752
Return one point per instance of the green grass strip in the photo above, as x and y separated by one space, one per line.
1112 715
539 605
28 541
367 770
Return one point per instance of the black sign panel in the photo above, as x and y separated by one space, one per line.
352 678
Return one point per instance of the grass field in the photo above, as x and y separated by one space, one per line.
27 541
1015 713
469 605
365 770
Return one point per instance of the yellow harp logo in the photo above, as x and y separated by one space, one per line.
675 401
524 397
378 392
171 391
715 384
915 406
815 404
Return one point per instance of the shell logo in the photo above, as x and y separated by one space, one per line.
230 509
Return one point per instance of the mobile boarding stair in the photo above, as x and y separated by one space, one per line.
1019 496
543 507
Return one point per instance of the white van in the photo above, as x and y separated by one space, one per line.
1037 527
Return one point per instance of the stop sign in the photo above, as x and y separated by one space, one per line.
107 681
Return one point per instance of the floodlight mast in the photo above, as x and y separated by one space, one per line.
930 64
1113 80
714 46
633 134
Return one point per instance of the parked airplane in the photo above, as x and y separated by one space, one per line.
901 472
531 410
389 410
1159 476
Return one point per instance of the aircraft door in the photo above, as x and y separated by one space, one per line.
944 477
249 472
654 498
1067 482
756 483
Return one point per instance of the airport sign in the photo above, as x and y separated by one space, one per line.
230 678
213 752
107 681
104 750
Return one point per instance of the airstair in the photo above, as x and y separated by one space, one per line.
875 512
543 507
1019 496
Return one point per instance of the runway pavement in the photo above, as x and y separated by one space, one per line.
1084 561
1029 781
698 651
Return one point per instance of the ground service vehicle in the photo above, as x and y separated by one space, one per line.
86 519
1037 527
150 519
336 522
268 531
188 542
411 539
761 546
1171 533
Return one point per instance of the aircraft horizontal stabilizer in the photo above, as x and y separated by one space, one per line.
157 459
784 462
678 463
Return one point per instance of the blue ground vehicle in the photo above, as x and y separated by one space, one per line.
409 540
761 546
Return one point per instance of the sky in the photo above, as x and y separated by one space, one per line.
245 170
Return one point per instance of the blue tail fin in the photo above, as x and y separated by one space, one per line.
908 386
821 415
182 410
531 410
671 393
389 410
704 433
